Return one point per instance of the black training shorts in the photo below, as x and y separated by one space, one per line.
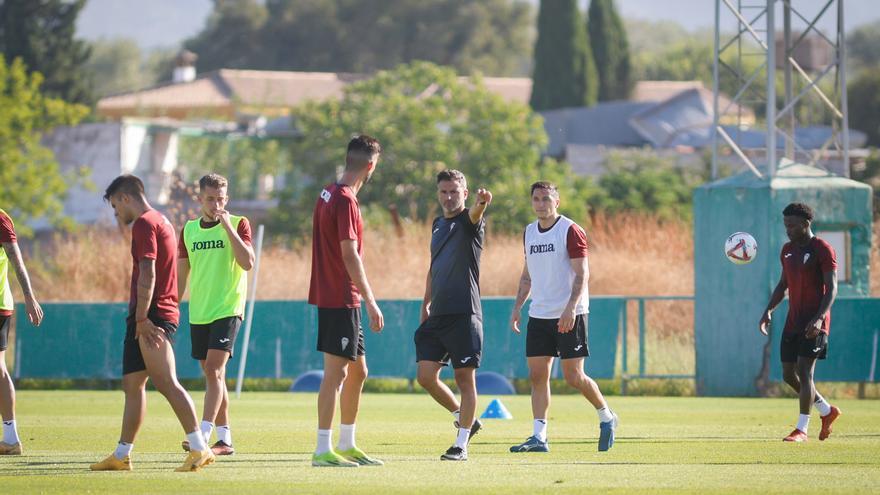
219 334
795 344
340 332
544 339
457 338
5 323
132 359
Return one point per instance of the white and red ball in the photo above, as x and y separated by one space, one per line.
740 248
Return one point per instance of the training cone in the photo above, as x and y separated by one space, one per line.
496 410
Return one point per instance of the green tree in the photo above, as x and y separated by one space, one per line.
863 47
41 33
864 105
427 120
610 50
489 36
641 180
232 37
119 65
31 183
244 161
564 74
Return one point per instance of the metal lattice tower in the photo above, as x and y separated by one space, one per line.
757 38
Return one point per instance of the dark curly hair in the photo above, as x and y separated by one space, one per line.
798 210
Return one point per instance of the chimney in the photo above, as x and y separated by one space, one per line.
184 67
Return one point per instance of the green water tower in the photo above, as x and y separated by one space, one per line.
729 299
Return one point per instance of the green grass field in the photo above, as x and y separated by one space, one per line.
664 444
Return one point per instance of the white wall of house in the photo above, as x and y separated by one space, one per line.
108 150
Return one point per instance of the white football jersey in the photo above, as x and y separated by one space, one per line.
550 270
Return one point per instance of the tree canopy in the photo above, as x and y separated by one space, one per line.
41 33
364 35
610 50
427 120
565 73
31 183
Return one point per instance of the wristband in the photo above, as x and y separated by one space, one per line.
142 320
482 202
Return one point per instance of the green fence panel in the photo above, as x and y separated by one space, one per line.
84 340
852 343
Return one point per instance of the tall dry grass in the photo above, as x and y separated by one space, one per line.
629 255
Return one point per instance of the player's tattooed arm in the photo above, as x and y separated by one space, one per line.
14 255
578 286
146 285
522 294
34 311
775 298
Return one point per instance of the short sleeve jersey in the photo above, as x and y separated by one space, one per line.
7 234
803 269
456 246
152 237
548 257
336 218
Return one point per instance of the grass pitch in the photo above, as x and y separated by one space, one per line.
663 445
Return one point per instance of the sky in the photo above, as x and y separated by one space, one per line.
165 23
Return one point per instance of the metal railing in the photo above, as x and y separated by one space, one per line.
642 327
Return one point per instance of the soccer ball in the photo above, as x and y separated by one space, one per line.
740 248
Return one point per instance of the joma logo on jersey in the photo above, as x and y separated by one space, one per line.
541 248
325 195
202 245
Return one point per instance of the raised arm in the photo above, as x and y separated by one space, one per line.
243 251
484 197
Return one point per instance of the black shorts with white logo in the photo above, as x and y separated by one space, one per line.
5 323
132 359
219 334
457 338
796 344
545 339
340 332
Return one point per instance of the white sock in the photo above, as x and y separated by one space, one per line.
604 414
123 450
197 441
224 434
822 405
207 428
324 439
462 439
346 437
10 432
456 415
540 429
803 422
